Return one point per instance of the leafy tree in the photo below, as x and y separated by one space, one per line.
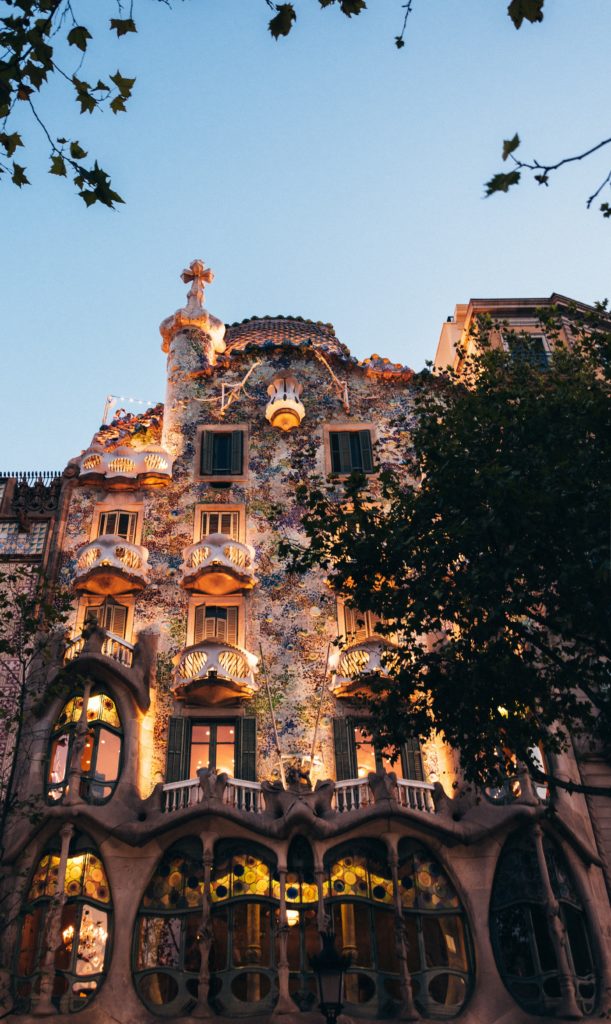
490 553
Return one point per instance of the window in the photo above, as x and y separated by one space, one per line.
303 939
529 348
81 958
110 615
359 626
521 931
356 756
119 524
166 955
216 622
351 450
100 760
228 745
438 946
220 521
222 453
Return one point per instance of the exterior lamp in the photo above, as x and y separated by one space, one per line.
329 968
285 408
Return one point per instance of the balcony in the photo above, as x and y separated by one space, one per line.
213 672
125 466
243 796
354 794
113 646
111 565
107 657
357 663
218 565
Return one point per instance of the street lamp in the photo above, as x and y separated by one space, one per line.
329 968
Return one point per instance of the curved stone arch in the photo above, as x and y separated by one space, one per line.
541 941
65 925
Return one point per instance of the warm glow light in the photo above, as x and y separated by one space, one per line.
68 935
503 711
292 917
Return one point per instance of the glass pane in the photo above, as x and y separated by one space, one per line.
349 877
352 923
158 942
414 959
63 954
365 754
192 956
30 934
58 762
101 707
435 948
45 877
251 934
547 957
95 882
108 756
386 941
71 712
578 941
177 884
447 990
513 934
158 989
218 959
87 753
221 452
200 758
225 758
93 934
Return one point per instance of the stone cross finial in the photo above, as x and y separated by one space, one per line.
198 275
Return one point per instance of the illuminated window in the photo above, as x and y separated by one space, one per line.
166 956
119 524
100 760
439 951
212 746
227 745
519 924
356 755
351 451
81 959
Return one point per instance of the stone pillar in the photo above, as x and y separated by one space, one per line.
285 1004
73 795
568 1006
408 1010
202 1008
53 934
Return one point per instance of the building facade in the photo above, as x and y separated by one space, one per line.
207 800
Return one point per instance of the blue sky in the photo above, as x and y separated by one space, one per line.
327 175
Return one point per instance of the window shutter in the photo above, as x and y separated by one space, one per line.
199 625
237 452
176 764
207 459
246 749
412 759
345 753
345 455
356 625
115 618
366 452
232 626
214 626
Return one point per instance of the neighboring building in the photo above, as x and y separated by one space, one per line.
209 801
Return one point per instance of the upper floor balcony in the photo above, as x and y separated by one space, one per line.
212 672
218 565
358 664
125 466
111 565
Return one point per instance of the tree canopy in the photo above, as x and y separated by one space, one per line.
489 555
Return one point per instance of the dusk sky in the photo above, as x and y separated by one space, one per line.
327 175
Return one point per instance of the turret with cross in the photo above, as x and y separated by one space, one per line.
198 275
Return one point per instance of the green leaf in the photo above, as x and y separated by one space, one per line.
350 7
124 85
531 10
58 165
76 152
10 142
282 23
605 209
501 182
399 42
118 104
78 37
83 95
18 175
123 25
509 145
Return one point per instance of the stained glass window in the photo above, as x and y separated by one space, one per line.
357 874
241 874
439 951
520 928
80 959
101 755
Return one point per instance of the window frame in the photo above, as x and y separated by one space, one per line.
348 725
221 428
87 780
202 510
115 504
89 601
351 428
213 724
226 601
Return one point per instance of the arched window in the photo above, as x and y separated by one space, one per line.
439 959
243 961
101 755
166 942
521 933
82 956
360 901
303 940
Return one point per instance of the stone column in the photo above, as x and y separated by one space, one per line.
285 1004
408 1010
73 795
202 1008
568 1006
53 930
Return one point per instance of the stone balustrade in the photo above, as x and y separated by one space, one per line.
113 646
124 466
111 565
214 672
218 565
237 793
